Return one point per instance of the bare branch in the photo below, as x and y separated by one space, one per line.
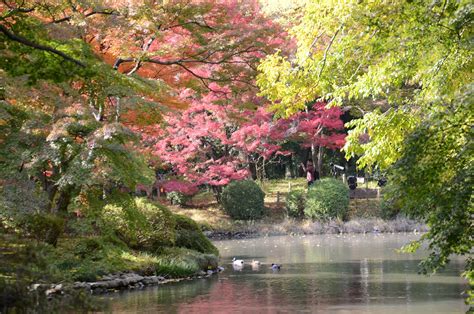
145 48
69 17
26 42
327 49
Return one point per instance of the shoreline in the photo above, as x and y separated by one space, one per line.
133 280
112 283
293 227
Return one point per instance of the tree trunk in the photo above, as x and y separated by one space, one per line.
314 154
289 168
62 200
319 165
217 191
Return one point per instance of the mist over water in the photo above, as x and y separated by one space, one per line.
323 273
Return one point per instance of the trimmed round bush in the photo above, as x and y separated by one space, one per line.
295 203
243 200
190 236
326 199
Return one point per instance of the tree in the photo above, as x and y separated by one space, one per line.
433 180
197 144
259 139
413 61
117 67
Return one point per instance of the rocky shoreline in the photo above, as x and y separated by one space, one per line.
115 283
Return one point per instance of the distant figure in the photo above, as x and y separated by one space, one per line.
311 173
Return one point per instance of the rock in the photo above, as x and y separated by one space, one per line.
151 280
81 285
210 272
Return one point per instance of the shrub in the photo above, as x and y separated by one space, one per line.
179 262
140 223
178 198
326 199
44 227
243 200
295 203
189 235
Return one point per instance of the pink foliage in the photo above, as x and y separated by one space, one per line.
205 145
183 187
197 145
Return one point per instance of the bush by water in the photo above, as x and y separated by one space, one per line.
295 203
326 199
243 200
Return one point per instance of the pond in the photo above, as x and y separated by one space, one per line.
323 273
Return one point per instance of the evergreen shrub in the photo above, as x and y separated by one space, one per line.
189 235
327 199
243 200
295 203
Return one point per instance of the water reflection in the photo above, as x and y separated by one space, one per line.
357 274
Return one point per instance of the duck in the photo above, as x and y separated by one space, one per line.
237 262
255 263
276 266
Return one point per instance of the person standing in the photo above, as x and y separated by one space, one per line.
310 173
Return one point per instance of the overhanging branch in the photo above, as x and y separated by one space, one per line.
27 42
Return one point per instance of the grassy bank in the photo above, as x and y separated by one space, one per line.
127 235
364 216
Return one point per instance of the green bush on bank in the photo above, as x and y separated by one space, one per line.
140 223
243 200
326 199
295 203
180 262
189 235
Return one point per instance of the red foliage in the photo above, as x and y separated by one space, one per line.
183 187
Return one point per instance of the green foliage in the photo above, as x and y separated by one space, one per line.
44 227
355 51
243 200
18 59
177 198
295 203
179 262
390 206
433 179
189 235
385 134
19 200
140 223
327 199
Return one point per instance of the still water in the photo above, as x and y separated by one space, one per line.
319 274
